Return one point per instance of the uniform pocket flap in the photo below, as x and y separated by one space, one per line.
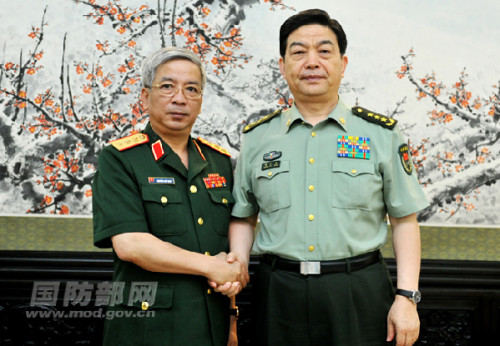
353 168
161 194
161 299
271 169
224 197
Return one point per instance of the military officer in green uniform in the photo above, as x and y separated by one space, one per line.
323 177
162 200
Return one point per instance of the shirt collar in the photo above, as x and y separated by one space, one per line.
339 114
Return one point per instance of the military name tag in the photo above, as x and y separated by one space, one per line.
268 165
404 155
155 180
353 147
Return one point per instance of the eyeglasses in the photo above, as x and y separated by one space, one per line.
191 92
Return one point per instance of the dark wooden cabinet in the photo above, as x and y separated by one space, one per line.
460 306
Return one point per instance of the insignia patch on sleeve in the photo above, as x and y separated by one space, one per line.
405 158
130 141
375 118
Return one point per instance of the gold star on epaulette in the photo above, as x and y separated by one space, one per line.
375 118
130 141
261 121
214 146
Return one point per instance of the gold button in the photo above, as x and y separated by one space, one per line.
311 160
313 134
342 121
224 201
145 305
200 221
164 199
207 253
311 248
353 171
311 217
311 187
209 291
193 189
270 173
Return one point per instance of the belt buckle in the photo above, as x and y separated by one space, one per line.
310 268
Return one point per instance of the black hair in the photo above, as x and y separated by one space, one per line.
308 17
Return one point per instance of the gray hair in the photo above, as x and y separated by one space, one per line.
151 63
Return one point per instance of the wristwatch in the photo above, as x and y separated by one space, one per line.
234 312
414 296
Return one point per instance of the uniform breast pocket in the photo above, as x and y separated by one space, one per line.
352 185
164 209
222 202
272 187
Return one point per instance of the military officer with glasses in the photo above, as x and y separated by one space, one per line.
162 201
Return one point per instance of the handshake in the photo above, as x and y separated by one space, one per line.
229 274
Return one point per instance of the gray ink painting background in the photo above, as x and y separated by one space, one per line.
431 65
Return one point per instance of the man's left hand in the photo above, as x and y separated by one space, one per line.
403 322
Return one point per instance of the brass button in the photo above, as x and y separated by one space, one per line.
145 305
209 291
311 160
311 248
353 171
224 201
311 187
270 173
200 221
193 189
311 217
313 134
342 121
207 253
164 199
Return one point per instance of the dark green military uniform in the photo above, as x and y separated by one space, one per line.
146 188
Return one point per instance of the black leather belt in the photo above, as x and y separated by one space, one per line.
345 265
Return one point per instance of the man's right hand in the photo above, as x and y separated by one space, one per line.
226 268
232 287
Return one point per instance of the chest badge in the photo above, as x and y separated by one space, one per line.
272 155
353 147
159 180
404 155
214 180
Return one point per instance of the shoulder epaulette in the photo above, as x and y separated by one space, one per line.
261 121
214 146
130 141
375 118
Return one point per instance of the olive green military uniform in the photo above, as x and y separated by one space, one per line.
323 193
144 187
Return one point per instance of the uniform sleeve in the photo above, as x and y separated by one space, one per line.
402 193
246 204
116 199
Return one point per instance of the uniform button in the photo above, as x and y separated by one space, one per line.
224 201
270 173
353 171
200 221
207 253
342 121
311 187
311 217
311 160
193 189
164 199
209 291
145 305
313 134
311 248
